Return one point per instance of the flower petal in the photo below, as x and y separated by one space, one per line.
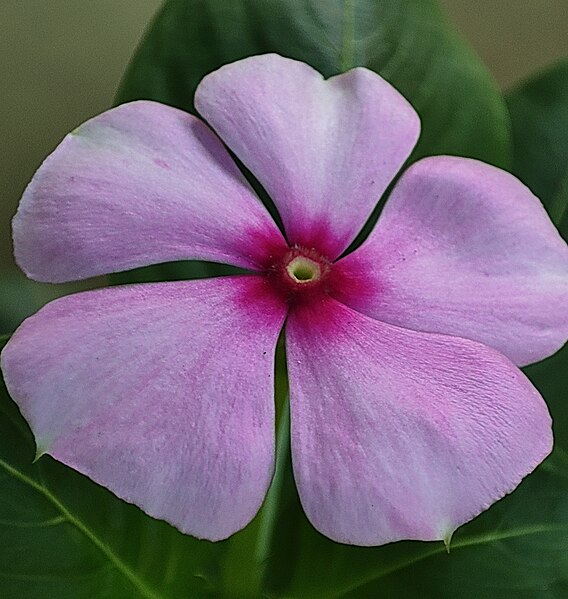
137 185
163 393
325 151
403 435
464 248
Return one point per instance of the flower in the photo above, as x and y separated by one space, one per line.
409 415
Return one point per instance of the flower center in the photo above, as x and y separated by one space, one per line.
303 270
300 273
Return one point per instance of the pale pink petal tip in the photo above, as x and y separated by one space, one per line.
163 393
404 435
325 151
464 248
140 184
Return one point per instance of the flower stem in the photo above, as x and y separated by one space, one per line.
270 507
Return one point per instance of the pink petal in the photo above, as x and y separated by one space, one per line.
325 151
140 184
403 435
464 248
163 393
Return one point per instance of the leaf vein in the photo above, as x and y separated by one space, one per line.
144 590
468 542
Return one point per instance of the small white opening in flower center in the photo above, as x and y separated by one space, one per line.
303 270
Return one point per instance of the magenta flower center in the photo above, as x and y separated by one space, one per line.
300 272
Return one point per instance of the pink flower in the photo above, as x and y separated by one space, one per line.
408 414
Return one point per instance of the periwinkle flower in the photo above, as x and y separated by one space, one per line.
409 415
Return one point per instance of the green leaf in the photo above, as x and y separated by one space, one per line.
406 41
539 116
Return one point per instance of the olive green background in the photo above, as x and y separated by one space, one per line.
61 61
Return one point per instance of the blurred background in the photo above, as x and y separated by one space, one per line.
61 62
